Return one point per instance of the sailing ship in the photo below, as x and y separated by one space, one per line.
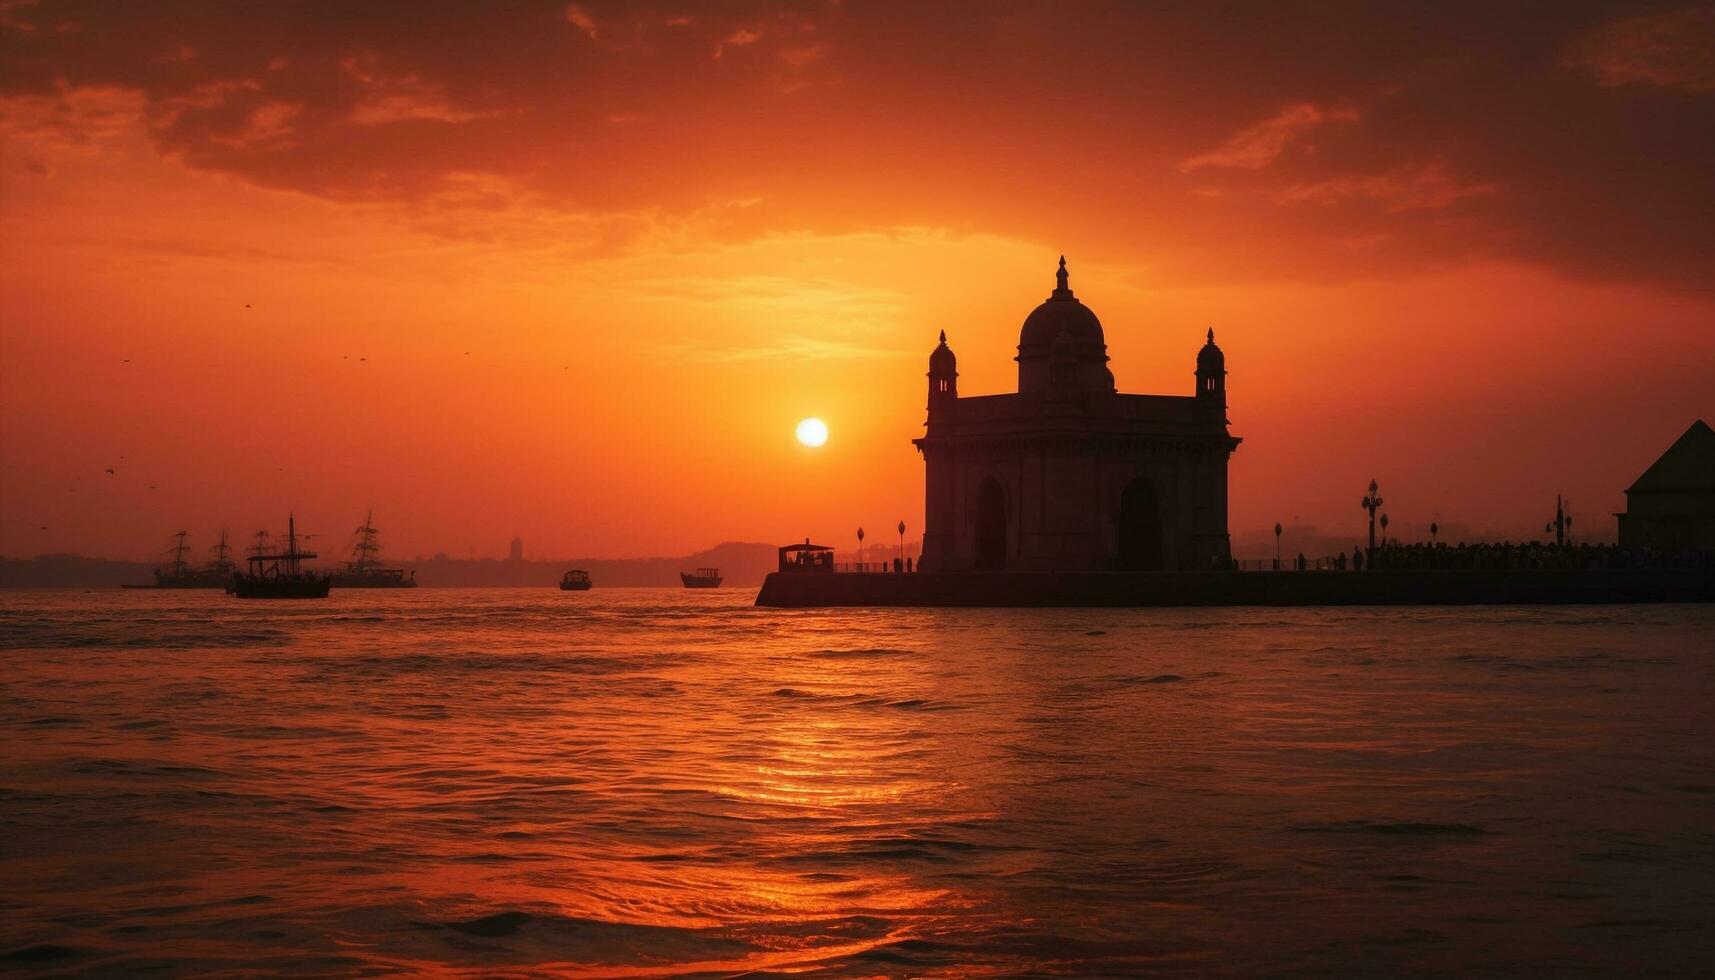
280 575
366 571
576 580
178 574
702 578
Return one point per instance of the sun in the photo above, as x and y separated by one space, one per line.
812 432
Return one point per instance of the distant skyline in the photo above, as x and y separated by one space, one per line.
576 272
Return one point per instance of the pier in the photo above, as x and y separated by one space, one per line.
1234 588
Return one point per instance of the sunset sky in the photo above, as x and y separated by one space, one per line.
576 272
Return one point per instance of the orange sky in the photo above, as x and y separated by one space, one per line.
575 273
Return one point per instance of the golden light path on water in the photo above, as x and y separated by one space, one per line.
672 783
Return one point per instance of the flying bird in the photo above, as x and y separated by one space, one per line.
110 471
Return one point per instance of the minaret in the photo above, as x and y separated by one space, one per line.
1212 381
943 378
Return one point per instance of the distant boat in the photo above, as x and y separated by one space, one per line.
702 578
576 580
366 570
179 574
280 576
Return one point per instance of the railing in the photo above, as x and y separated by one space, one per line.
1285 564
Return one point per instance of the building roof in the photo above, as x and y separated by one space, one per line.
1061 314
1687 466
941 359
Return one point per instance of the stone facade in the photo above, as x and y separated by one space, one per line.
1068 474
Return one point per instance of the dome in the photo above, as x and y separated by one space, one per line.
1061 312
941 359
1210 359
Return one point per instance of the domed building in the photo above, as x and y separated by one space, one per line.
1068 474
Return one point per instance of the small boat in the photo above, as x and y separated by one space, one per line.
180 575
702 578
280 576
366 571
576 580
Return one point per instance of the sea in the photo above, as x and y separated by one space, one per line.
671 783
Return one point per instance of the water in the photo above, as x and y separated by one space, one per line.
664 783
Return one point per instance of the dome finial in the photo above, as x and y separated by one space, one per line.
1061 289
1211 335
943 338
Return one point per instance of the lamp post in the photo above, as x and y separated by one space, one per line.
1434 529
902 545
1384 530
860 547
1373 503
1277 546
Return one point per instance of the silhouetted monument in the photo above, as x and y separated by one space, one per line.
1068 474
1671 508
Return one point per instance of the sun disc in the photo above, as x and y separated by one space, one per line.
812 432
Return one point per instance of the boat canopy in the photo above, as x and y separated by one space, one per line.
806 557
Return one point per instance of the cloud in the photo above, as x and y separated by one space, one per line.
580 18
1577 135
1261 144
1675 50
1427 187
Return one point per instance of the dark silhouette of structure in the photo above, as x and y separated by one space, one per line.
1372 503
806 557
1067 474
366 570
702 578
1561 525
1671 507
178 574
281 576
576 580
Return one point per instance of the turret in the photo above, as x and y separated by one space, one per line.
1212 379
943 376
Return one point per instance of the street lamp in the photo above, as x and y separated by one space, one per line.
1373 503
1434 529
860 546
902 545
1384 530
1277 546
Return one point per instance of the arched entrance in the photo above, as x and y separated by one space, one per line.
1140 528
991 525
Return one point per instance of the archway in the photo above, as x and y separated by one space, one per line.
1140 528
991 525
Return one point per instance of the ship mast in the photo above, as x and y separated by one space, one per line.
366 547
261 547
179 550
221 562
